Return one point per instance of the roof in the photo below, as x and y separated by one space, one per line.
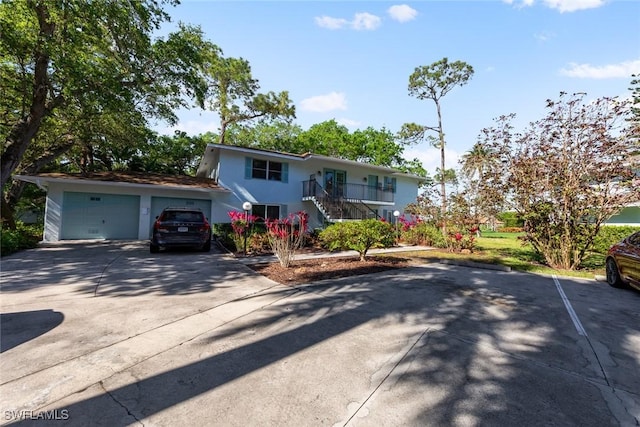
126 178
208 160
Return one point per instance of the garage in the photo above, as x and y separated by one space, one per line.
99 216
159 203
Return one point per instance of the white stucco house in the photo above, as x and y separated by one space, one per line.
116 205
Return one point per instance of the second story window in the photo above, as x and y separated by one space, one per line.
266 169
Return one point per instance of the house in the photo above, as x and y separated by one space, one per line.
629 215
114 205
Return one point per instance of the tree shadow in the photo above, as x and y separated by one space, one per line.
20 327
477 354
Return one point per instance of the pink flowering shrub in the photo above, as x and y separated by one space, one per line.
240 224
461 240
287 235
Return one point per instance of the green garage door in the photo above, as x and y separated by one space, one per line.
100 216
159 203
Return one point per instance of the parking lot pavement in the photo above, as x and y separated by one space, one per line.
114 336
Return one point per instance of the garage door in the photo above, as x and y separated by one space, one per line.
159 203
100 216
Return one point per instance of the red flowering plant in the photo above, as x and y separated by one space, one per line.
240 223
287 235
459 241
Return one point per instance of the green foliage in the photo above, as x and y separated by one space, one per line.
233 93
359 236
608 235
23 237
511 219
424 234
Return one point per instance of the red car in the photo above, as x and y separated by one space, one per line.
623 263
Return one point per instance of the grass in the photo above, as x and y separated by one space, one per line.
507 250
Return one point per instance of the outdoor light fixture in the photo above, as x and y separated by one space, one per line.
396 215
246 206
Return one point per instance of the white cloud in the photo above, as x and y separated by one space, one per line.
573 5
331 23
402 13
349 123
361 21
561 5
365 21
323 103
544 36
588 71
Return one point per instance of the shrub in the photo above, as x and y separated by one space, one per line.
240 223
511 219
610 234
359 236
510 230
458 241
425 234
287 235
23 237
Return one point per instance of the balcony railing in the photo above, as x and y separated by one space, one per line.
356 192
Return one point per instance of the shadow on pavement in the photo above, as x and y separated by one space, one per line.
20 327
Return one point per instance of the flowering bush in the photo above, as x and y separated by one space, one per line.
460 240
287 235
240 223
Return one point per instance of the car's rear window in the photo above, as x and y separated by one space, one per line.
182 216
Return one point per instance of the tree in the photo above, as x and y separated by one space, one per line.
233 93
566 173
433 82
83 69
474 163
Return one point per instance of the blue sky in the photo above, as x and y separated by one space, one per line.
351 61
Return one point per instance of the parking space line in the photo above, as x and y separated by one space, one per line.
567 304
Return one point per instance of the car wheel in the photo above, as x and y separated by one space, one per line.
613 275
207 246
154 249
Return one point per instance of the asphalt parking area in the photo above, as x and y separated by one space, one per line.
107 334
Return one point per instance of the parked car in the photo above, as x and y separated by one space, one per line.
623 262
181 227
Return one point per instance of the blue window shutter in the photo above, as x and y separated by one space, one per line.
285 172
393 184
283 211
248 166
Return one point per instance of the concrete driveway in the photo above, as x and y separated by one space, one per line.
108 334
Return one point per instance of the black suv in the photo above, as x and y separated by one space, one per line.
181 227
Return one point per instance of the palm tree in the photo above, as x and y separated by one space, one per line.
475 163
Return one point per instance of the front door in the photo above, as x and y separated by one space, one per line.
334 182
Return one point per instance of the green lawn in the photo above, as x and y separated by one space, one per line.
506 249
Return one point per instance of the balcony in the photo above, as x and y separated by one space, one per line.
350 192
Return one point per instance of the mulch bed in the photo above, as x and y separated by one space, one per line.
308 271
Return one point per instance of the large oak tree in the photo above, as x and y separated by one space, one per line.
87 71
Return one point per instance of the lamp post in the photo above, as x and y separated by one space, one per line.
396 214
246 206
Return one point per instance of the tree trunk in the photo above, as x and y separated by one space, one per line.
23 131
443 187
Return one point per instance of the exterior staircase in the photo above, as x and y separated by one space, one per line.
336 209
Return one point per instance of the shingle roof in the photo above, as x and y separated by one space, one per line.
136 178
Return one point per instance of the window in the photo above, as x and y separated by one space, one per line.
266 169
266 211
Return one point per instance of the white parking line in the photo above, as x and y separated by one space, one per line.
567 304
